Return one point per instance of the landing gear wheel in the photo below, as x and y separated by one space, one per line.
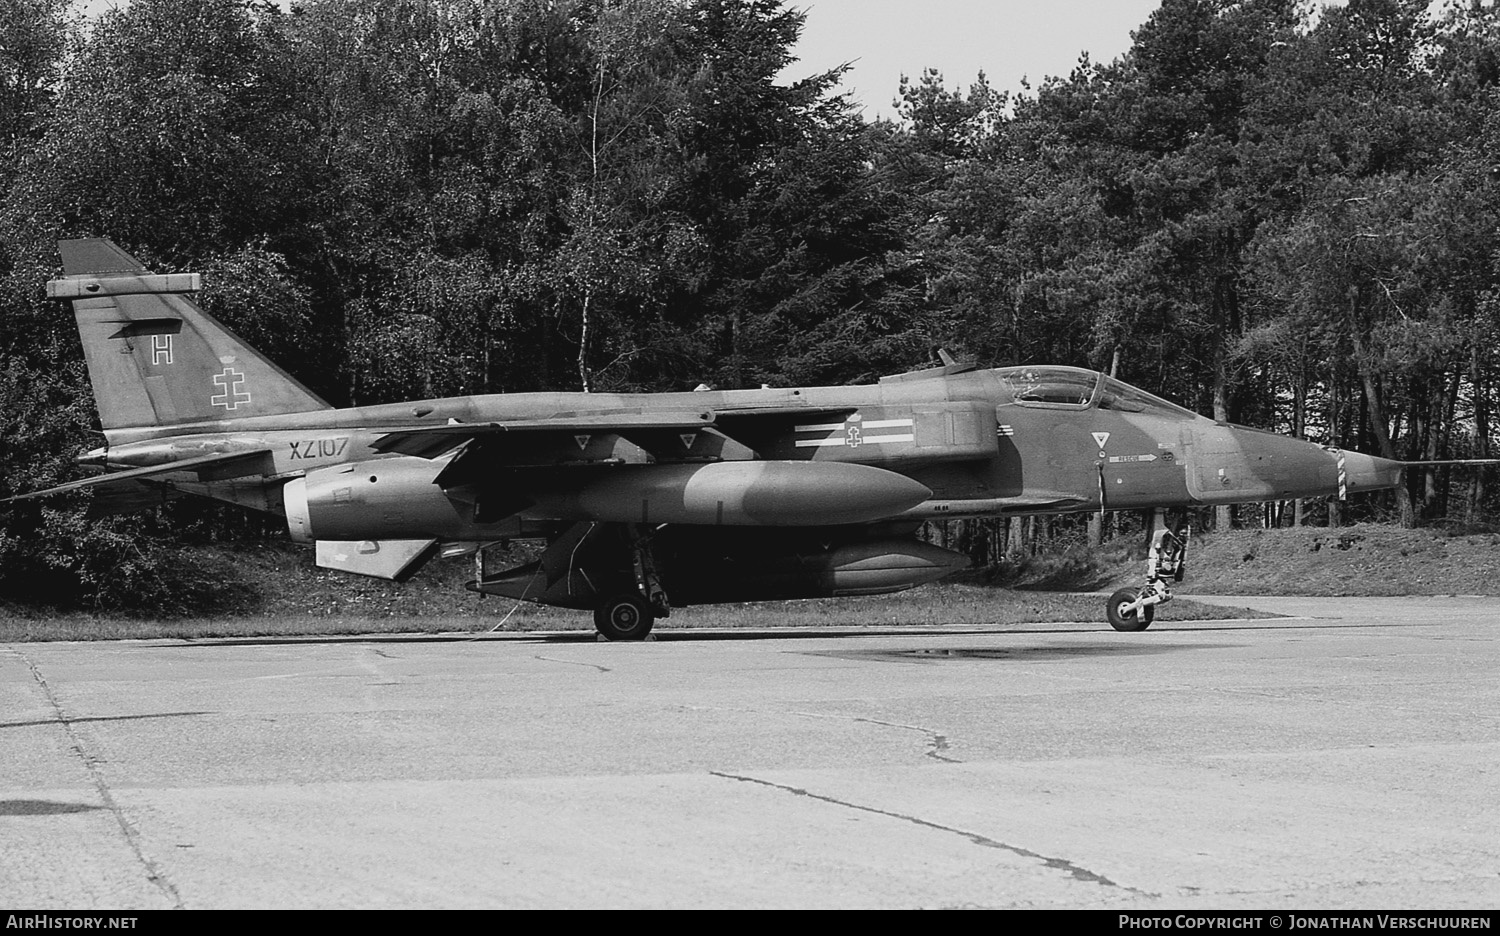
624 617
1132 620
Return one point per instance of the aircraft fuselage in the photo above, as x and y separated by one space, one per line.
984 442
645 500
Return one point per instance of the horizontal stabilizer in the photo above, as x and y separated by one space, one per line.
394 559
206 467
128 497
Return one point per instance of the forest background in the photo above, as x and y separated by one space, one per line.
1277 214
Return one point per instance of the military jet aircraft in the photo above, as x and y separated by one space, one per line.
645 501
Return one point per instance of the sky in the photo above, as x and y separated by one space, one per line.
1006 39
883 39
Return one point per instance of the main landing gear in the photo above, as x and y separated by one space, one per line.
625 616
629 615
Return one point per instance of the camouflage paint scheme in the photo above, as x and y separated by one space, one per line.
655 499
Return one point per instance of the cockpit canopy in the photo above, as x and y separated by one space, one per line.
1076 388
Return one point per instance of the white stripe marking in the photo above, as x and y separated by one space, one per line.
867 440
870 424
822 427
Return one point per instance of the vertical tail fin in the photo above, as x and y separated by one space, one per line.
154 357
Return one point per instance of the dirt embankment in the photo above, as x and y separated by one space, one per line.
1357 560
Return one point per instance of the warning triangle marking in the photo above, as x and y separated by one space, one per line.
1101 438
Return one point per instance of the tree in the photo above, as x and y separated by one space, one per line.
33 37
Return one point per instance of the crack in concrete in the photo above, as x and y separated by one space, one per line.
937 742
100 718
1257 693
1061 864
154 874
602 669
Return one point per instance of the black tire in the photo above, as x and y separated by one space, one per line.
1128 622
624 617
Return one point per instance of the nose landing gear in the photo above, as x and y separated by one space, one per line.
1132 609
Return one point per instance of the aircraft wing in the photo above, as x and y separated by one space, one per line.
633 437
931 431
207 468
432 441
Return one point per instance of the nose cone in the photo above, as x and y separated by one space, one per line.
1368 472
1233 464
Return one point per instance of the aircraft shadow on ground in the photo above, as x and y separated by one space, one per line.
1024 654
574 637
669 635
29 807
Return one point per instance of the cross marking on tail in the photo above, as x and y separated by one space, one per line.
229 382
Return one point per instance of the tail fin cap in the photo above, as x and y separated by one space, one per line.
165 284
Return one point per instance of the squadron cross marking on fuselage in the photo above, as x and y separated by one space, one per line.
855 431
645 501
